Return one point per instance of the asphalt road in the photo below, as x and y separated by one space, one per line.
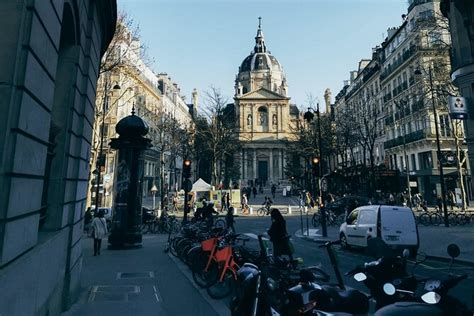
348 259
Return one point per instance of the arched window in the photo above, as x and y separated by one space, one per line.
244 90
263 116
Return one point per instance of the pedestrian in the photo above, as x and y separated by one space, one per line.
452 199
249 193
254 191
87 218
175 203
279 235
223 202
98 231
244 203
229 219
273 190
439 203
227 200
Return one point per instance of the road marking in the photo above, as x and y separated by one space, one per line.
157 294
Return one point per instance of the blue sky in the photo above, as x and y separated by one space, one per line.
201 43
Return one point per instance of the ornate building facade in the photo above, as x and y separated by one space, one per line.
264 114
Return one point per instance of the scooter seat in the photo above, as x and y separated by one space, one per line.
348 301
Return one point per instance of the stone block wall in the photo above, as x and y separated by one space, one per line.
49 63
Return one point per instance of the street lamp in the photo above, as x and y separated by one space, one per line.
100 160
153 192
308 116
405 157
438 153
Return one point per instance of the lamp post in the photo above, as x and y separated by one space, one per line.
405 157
100 161
153 192
308 116
438 152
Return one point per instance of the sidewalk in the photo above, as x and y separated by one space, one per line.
433 240
140 281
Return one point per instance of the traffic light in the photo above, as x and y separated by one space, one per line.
187 169
315 166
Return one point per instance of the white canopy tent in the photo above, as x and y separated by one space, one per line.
201 186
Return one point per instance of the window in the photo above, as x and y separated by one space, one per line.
444 125
367 217
352 218
413 162
426 160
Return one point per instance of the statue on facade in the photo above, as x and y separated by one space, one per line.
274 120
263 120
249 120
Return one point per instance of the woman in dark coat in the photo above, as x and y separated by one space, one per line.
278 235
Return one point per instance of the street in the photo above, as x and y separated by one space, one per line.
313 255
148 281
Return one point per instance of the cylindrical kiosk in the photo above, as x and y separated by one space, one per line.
127 206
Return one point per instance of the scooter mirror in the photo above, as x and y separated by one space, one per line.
406 253
453 251
389 289
431 298
359 277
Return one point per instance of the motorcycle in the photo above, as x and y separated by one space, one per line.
435 300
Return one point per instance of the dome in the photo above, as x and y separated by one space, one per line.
260 69
132 126
260 61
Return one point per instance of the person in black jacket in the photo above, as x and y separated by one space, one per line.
278 235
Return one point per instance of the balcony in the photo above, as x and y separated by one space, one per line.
409 138
397 63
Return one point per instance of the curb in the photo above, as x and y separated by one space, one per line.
316 239
448 260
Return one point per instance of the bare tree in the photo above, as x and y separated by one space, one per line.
221 132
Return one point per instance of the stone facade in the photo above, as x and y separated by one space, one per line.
394 88
461 20
264 114
49 59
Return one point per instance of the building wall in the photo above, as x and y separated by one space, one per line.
49 59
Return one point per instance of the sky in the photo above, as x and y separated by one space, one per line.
201 43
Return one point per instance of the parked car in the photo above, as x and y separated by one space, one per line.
348 203
395 225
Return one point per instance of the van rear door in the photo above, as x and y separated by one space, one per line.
398 226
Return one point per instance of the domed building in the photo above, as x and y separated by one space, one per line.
264 114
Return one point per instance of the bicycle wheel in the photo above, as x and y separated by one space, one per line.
261 211
452 219
435 219
173 248
146 228
316 220
219 290
220 223
425 219
341 218
462 219
202 277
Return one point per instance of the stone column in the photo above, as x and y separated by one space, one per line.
283 163
271 164
242 161
255 164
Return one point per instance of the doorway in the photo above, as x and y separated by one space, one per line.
263 172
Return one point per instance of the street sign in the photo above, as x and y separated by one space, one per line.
324 184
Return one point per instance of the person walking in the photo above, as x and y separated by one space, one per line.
279 235
229 219
98 231
175 204
273 190
244 202
223 202
254 191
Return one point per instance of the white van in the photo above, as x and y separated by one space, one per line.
395 225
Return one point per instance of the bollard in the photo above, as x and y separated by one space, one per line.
235 211
306 209
251 211
159 212
289 209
